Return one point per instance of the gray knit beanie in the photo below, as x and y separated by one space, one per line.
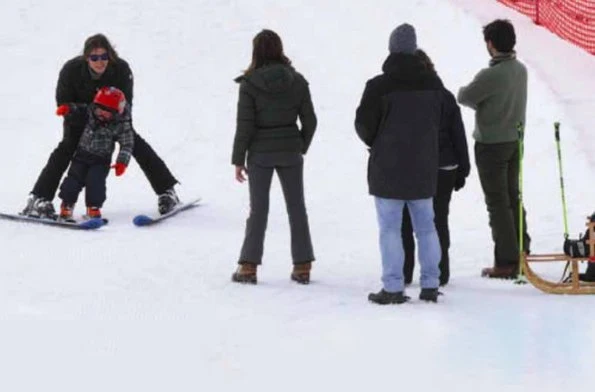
403 39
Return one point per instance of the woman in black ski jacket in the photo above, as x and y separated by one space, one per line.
273 95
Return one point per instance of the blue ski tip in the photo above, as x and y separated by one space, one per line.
93 223
142 220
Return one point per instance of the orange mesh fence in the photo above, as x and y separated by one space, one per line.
573 20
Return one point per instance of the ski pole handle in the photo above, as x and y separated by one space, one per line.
557 130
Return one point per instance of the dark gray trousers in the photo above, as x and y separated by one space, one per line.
290 169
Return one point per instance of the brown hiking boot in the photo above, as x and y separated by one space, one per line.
246 273
506 272
301 273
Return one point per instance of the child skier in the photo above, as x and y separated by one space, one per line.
108 120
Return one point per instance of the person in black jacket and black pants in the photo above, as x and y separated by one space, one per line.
398 118
272 97
79 80
454 167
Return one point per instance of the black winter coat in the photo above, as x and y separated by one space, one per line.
400 114
271 100
76 85
452 140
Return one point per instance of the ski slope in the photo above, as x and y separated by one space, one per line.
153 309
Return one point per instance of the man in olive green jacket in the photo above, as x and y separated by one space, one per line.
498 94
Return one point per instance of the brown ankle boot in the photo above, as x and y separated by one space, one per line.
504 272
301 273
246 273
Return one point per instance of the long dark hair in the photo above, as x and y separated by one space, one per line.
426 60
99 41
267 48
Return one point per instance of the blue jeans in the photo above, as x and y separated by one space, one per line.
390 216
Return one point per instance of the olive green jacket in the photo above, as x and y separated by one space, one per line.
271 100
499 96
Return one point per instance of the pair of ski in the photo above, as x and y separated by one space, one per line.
96 223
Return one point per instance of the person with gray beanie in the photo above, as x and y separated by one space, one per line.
398 119
403 40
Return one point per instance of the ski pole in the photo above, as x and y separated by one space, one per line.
557 134
521 275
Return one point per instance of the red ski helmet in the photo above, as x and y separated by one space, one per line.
110 99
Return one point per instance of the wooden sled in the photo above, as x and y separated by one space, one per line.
572 285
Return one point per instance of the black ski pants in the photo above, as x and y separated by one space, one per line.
444 189
154 168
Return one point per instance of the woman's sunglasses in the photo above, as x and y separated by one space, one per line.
97 57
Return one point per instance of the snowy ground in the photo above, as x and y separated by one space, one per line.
126 309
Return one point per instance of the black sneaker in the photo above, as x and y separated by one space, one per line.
167 201
385 298
429 295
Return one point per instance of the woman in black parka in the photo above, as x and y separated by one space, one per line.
273 95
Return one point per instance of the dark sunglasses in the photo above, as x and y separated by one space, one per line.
97 57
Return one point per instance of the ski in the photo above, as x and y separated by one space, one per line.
89 224
146 220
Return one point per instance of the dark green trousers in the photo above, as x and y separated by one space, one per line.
498 169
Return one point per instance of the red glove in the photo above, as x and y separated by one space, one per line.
63 109
120 168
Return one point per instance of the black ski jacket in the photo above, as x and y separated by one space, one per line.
76 85
399 118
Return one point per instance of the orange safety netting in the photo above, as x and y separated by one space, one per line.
573 20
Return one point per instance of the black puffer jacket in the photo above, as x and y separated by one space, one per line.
271 100
399 117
